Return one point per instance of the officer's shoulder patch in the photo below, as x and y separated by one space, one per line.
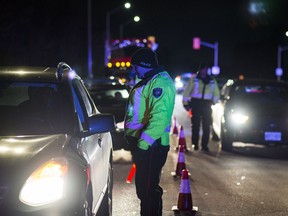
157 92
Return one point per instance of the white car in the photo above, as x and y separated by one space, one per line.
55 146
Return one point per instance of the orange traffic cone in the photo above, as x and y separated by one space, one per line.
174 130
182 139
181 162
185 202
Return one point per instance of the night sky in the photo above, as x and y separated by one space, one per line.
45 32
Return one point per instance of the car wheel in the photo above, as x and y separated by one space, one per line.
226 140
106 208
87 211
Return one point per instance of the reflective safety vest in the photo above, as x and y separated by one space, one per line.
150 109
196 88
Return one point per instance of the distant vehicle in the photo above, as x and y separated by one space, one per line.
119 63
181 81
55 146
251 111
111 97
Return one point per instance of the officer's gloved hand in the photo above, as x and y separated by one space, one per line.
186 106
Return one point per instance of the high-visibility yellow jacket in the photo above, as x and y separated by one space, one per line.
150 109
195 87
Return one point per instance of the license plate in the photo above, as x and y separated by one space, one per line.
273 136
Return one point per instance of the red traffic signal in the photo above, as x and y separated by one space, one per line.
196 43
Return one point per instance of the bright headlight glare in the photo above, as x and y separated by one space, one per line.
239 118
46 184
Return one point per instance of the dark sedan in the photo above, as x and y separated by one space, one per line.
252 111
55 146
110 96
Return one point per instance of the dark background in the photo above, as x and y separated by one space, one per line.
45 32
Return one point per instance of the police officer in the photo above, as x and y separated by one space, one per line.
147 127
200 93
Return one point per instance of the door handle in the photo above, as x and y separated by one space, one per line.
99 140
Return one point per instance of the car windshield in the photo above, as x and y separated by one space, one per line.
109 97
269 92
30 108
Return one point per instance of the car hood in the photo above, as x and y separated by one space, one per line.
20 156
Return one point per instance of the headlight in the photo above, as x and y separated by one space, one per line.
239 118
46 184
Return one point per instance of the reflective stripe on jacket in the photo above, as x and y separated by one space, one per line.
150 109
194 89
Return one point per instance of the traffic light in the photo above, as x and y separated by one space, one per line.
196 43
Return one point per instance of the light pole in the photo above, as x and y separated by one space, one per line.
135 19
279 70
90 74
197 43
107 40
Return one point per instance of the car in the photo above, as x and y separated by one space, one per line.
111 97
251 111
181 80
55 145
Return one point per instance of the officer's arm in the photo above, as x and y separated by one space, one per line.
134 122
161 105
187 92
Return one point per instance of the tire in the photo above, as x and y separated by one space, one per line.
87 211
226 140
106 206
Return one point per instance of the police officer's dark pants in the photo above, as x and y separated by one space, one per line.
201 112
148 170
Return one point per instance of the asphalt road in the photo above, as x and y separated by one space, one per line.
251 180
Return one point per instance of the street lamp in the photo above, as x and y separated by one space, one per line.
127 5
135 19
90 73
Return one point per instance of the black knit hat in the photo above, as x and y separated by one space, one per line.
145 57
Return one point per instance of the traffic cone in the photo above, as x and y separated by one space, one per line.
185 202
182 139
181 162
174 130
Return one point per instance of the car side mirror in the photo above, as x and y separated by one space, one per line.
100 123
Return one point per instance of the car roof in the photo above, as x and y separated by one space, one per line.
254 81
36 73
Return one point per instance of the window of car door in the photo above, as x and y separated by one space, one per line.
83 105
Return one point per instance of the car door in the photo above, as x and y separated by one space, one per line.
92 146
